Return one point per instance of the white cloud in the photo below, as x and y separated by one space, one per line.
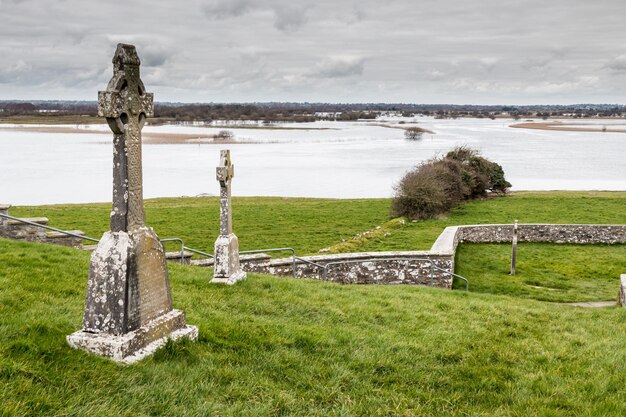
366 50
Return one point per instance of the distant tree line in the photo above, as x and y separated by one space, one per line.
307 112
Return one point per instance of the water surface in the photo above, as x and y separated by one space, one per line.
331 159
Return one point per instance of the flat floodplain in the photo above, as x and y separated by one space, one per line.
71 163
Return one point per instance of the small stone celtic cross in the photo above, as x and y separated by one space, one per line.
126 104
224 173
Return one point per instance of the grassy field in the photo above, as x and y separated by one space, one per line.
271 222
559 273
272 346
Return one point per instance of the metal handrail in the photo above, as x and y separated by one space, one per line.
43 226
351 261
182 246
454 275
310 262
199 252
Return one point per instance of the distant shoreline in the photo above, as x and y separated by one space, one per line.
148 137
563 127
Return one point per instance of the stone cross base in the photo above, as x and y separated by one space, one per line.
128 282
136 345
227 268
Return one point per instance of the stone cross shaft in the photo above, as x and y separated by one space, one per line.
224 174
125 104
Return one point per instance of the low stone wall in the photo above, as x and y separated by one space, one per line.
14 229
4 209
410 267
553 233
414 267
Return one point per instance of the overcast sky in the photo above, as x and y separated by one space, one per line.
418 51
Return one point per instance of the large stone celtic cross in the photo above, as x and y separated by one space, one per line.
125 104
128 307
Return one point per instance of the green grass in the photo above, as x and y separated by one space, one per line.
271 347
565 273
546 272
307 225
527 207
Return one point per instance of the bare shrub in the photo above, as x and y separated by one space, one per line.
225 135
413 133
436 186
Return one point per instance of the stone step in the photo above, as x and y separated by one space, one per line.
59 235
245 260
38 220
175 257
90 247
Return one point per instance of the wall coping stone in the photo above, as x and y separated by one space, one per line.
59 235
242 258
38 220
355 256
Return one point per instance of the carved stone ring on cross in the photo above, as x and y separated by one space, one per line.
125 101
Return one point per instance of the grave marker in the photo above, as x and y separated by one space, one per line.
227 268
128 307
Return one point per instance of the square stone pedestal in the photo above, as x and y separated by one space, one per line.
136 345
226 265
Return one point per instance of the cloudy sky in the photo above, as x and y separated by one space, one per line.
419 51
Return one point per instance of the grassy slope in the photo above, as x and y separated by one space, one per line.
267 222
564 273
273 346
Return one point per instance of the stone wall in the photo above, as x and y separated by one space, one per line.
414 267
553 233
410 267
14 229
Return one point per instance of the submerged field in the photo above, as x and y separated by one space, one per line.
273 346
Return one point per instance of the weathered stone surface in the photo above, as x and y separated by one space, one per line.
258 263
404 267
554 233
4 209
14 229
128 307
57 238
227 269
135 345
380 268
622 290
177 258
106 303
